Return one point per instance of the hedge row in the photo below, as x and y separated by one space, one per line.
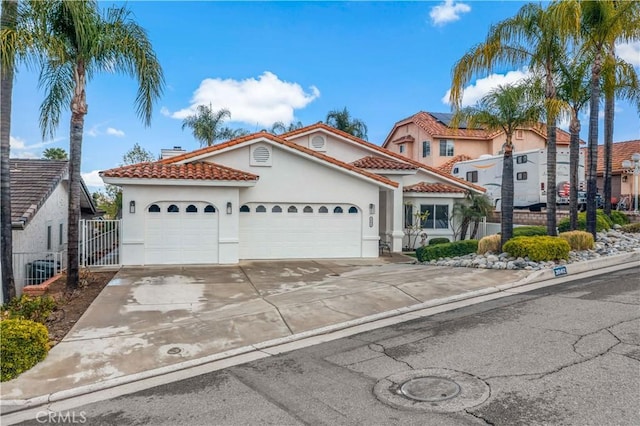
457 248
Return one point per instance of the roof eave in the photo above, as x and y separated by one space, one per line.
119 181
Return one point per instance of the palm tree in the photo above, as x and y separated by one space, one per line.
342 120
206 124
279 127
86 42
7 24
573 90
505 108
534 38
475 207
55 154
598 25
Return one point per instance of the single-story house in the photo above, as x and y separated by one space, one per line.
39 209
315 192
621 178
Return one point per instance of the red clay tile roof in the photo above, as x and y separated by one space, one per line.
433 187
448 166
193 171
372 162
621 151
435 128
278 140
382 150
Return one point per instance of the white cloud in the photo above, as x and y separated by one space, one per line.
448 11
16 143
115 132
165 111
93 131
260 101
474 92
630 52
92 179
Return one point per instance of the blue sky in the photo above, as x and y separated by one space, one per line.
283 61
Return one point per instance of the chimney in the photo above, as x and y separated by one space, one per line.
171 152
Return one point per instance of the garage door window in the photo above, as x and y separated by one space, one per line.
209 209
323 209
154 208
292 209
173 209
338 210
245 209
308 209
192 209
353 210
261 209
275 209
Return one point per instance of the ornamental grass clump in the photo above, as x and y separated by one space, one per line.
631 228
578 240
490 243
603 222
538 249
24 343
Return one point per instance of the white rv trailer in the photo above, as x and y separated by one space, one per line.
529 176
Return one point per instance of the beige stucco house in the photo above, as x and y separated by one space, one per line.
429 138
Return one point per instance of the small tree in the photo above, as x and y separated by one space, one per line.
415 229
55 154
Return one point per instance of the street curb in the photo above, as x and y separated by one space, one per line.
327 333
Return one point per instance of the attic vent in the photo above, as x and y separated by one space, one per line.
261 156
317 142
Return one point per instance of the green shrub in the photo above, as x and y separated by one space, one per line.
541 248
31 308
631 228
457 248
578 240
602 222
490 243
24 343
619 218
435 241
529 231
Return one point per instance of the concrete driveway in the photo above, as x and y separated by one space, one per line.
151 317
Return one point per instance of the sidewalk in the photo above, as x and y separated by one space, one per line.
152 321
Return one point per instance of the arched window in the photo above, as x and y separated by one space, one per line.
308 209
323 209
353 209
154 208
338 209
173 209
292 209
192 209
209 209
261 209
276 209
245 209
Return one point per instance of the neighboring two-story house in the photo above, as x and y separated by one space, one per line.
430 138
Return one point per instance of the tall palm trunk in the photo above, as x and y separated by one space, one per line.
506 213
609 107
550 93
574 163
594 106
7 21
78 111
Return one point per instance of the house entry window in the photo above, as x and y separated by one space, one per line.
438 217
408 215
446 148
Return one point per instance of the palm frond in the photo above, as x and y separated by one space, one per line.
58 82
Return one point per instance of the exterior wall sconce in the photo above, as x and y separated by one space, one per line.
229 211
132 207
372 208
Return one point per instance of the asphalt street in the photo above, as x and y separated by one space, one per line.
566 354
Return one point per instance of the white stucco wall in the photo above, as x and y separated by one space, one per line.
133 224
292 178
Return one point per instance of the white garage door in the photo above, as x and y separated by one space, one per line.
280 231
181 232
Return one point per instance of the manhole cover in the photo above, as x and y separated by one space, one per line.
435 389
430 389
174 351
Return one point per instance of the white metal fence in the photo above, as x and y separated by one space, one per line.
36 267
100 242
